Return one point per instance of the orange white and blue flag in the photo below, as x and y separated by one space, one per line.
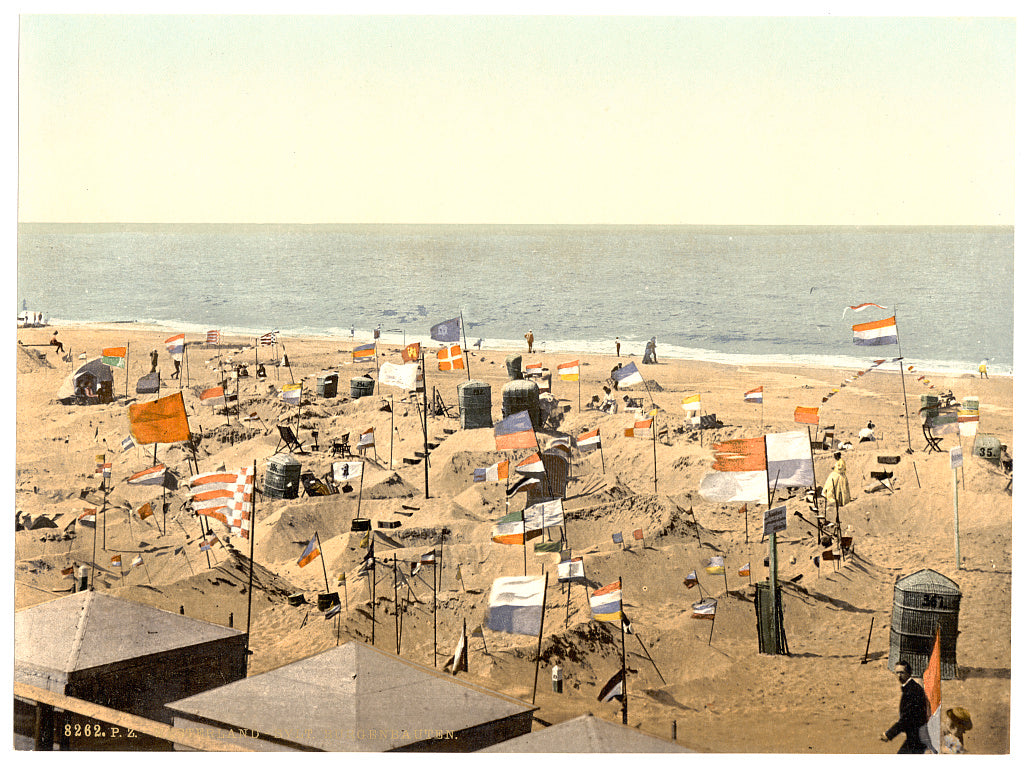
606 602
115 561
176 346
588 441
755 395
516 431
875 333
364 353
291 394
569 371
311 552
492 473
213 396
154 475
641 429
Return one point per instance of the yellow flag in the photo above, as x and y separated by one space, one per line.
365 543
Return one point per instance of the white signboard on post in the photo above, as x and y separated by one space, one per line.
956 457
775 520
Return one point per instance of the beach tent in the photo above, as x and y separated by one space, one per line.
357 698
585 735
93 371
120 654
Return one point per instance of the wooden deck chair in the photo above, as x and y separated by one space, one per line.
341 447
288 440
311 485
931 441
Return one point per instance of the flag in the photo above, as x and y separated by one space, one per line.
346 470
127 443
291 394
512 530
87 518
716 566
411 353
115 357
366 440
428 558
213 336
268 339
311 552
561 446
224 496
516 605
638 534
447 331
478 632
162 420
145 510
627 375
205 545
691 579
692 403
68 570
569 371
332 611
571 570
931 732
641 429
940 420
213 396
588 441
458 575
745 570
612 688
968 422
616 537
176 346
861 307
514 432
875 333
531 366
459 661
365 541
103 466
364 353
369 561
530 465
740 472
606 602
755 395
401 376
341 579
137 560
520 485
450 358
115 561
705 609
491 473
806 415
154 475
543 515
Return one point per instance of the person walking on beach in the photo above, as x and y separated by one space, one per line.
556 678
617 346
983 369
153 359
837 486
529 341
913 713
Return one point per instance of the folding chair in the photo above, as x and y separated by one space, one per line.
289 440
931 441
341 447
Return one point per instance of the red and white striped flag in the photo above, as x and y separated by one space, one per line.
154 475
213 336
224 496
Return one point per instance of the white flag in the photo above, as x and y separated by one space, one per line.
402 376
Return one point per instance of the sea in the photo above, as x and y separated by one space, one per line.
732 294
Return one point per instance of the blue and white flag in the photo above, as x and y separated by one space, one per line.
447 331
628 375
516 604
127 443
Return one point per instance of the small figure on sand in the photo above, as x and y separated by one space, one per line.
913 713
615 383
983 369
177 368
556 678
55 342
650 352
867 434
617 346
153 359
529 341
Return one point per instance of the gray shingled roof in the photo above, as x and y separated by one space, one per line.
586 734
91 629
332 701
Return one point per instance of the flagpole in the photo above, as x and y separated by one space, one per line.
465 344
327 585
426 451
899 347
814 486
540 635
127 358
600 446
372 575
654 430
92 586
434 573
712 632
359 502
202 534
391 457
622 636
773 573
394 569
252 553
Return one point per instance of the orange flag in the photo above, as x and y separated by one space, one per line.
163 420
806 415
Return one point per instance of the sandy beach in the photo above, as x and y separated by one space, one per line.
721 696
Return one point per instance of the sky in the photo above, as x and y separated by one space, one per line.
569 119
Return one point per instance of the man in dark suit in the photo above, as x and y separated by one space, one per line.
913 713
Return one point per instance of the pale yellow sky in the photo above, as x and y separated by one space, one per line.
568 119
